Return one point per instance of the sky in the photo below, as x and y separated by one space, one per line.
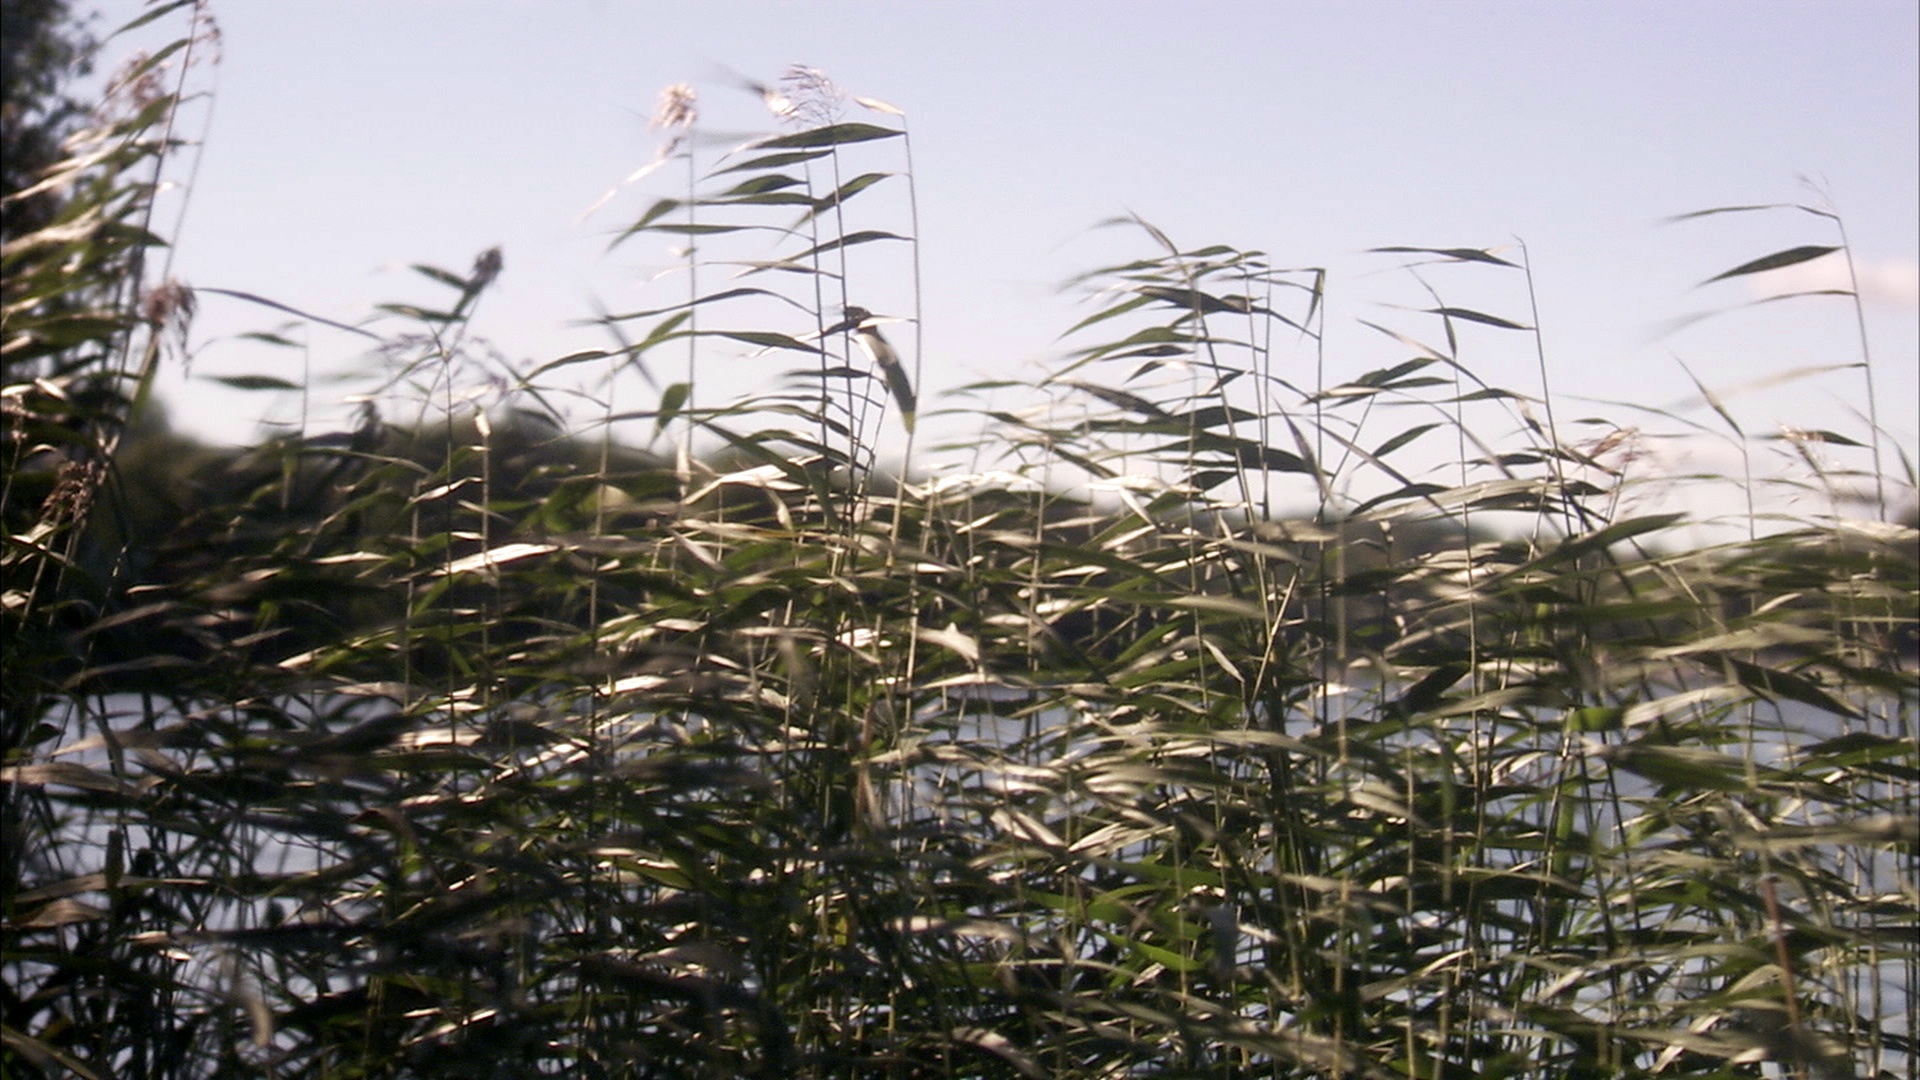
346 140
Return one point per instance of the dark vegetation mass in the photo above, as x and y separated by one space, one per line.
554 720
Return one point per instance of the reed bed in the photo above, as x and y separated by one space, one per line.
1206 728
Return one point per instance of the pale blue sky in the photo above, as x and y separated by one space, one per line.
351 138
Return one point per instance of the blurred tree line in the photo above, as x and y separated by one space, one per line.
43 48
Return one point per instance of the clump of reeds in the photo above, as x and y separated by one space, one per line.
1206 730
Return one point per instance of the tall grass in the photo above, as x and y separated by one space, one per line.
1207 729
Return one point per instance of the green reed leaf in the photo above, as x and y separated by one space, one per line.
840 195
1820 435
1403 439
774 161
1775 261
1785 684
1456 254
1477 316
253 382
831 135
445 277
760 185
672 400
862 236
